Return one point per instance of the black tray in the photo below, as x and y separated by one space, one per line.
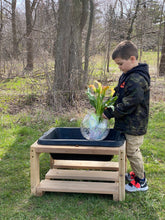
73 137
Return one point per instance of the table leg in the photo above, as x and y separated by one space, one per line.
51 162
34 170
122 173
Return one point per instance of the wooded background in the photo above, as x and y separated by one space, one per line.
58 39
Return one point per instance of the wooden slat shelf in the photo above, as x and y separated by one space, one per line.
82 175
77 187
99 165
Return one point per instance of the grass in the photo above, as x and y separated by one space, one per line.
19 131
24 120
97 64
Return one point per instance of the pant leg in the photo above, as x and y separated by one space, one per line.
134 155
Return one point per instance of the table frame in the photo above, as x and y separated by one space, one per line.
111 175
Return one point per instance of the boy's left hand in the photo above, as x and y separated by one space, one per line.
104 116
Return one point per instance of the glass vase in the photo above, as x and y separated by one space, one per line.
92 128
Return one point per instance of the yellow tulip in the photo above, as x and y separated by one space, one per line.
112 91
99 86
97 99
105 88
93 87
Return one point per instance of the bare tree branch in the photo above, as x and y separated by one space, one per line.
132 22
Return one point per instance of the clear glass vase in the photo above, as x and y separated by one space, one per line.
94 129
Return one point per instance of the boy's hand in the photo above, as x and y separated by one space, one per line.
104 116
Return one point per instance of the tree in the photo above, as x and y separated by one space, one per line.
133 20
87 41
162 60
12 17
29 37
110 17
1 29
15 41
68 78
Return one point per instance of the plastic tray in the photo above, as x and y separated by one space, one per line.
73 137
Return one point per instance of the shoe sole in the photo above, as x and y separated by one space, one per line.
137 189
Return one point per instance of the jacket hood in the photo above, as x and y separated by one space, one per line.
141 69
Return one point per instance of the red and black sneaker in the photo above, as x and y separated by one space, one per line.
137 185
130 176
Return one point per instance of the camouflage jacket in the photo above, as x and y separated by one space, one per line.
132 106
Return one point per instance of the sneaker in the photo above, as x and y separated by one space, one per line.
137 185
130 176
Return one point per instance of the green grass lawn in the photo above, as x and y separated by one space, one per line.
24 119
19 131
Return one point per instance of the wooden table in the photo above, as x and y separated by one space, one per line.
100 177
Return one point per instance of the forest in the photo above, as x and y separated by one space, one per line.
61 39
50 52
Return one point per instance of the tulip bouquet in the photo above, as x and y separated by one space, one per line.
97 98
94 126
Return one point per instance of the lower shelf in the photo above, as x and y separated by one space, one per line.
82 175
77 187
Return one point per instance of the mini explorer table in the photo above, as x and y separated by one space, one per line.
78 165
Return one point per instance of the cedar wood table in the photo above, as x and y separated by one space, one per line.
100 177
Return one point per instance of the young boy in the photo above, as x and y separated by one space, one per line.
131 110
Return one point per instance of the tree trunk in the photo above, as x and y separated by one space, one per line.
110 17
162 60
1 28
15 43
133 20
159 34
108 51
29 39
68 79
87 42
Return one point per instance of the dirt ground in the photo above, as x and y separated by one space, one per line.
158 90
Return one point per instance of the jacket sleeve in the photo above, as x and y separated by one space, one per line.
133 95
108 113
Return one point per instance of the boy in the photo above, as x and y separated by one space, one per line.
131 110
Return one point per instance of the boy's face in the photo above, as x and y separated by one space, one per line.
126 65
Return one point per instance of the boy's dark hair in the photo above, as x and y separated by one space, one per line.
125 50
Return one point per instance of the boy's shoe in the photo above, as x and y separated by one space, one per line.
130 176
137 185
